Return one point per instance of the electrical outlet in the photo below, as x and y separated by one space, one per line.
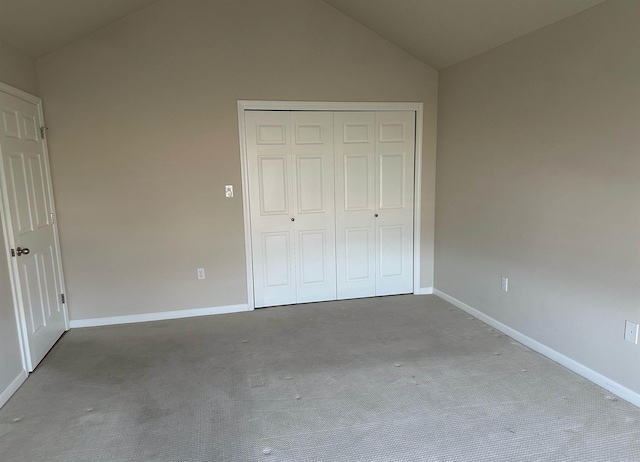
228 190
505 284
631 332
200 273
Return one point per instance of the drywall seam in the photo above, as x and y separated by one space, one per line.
580 369
13 387
158 316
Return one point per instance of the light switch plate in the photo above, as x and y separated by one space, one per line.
631 332
228 190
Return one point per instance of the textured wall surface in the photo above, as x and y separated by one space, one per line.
144 136
17 69
538 168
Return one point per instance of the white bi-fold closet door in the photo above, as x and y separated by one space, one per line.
291 190
331 204
374 154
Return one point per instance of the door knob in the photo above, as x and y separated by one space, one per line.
376 215
24 251
293 219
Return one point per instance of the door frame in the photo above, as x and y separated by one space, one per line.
9 240
251 105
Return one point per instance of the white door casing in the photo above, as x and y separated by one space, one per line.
290 160
30 223
416 112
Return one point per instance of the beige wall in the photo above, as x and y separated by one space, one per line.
143 137
17 69
539 180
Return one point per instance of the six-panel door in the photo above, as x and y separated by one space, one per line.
28 197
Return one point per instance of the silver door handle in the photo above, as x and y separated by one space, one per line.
24 251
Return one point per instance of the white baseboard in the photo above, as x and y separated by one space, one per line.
13 387
580 369
159 316
423 291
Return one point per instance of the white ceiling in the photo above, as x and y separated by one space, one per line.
438 32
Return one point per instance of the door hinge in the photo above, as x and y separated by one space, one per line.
63 299
43 132
13 252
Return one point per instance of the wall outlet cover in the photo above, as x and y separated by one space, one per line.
631 332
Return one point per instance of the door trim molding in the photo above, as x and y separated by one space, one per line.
424 291
10 240
250 105
20 94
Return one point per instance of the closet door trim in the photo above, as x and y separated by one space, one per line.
246 105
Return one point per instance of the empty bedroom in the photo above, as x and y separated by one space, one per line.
319 230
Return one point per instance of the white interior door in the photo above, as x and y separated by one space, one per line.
290 160
374 202
28 205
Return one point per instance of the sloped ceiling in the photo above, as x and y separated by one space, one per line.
38 27
445 32
438 32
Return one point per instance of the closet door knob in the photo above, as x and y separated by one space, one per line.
376 215
293 219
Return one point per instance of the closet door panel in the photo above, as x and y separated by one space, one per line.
395 147
313 198
268 136
355 203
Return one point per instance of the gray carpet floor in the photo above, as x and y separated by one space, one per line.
405 378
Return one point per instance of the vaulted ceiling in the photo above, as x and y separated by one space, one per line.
438 32
445 32
38 27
